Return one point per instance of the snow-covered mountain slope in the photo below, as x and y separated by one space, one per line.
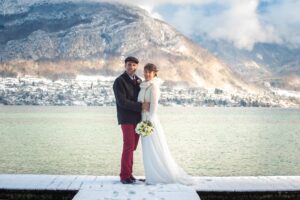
67 38
266 64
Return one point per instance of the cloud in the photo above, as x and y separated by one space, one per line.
242 22
234 21
285 18
153 3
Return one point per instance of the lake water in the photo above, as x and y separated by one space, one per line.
204 141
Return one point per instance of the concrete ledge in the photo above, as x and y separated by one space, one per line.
37 194
290 195
248 184
69 195
77 187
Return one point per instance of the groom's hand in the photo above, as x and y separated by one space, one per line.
146 106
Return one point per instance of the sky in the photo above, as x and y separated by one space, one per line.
241 22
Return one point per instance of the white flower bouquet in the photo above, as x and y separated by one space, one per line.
144 128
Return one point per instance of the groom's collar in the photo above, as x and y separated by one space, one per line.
127 77
131 77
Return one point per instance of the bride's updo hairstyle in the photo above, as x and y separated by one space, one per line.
151 67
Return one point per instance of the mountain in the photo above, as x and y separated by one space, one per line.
63 39
274 65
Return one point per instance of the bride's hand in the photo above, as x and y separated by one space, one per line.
146 106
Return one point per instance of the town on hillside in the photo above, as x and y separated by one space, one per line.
85 91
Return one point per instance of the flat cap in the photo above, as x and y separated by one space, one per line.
132 59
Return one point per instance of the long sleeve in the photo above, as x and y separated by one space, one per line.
121 99
155 94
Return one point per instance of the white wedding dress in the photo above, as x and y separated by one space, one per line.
159 165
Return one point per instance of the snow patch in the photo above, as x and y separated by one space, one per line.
94 78
287 93
252 64
197 79
183 49
162 35
259 56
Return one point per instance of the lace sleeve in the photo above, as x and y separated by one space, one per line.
155 94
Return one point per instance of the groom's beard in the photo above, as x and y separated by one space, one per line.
133 72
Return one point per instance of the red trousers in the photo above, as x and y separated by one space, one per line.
130 142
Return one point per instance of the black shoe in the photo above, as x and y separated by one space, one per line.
127 181
133 178
142 180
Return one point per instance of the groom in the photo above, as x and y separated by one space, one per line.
126 89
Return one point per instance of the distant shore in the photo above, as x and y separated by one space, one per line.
98 92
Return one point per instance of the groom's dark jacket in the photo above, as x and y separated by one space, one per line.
126 93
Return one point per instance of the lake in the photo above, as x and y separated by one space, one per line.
205 141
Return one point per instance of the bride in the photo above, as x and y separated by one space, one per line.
159 165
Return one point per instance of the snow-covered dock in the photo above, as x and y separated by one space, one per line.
109 187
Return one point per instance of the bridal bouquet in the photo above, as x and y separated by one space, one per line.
144 128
